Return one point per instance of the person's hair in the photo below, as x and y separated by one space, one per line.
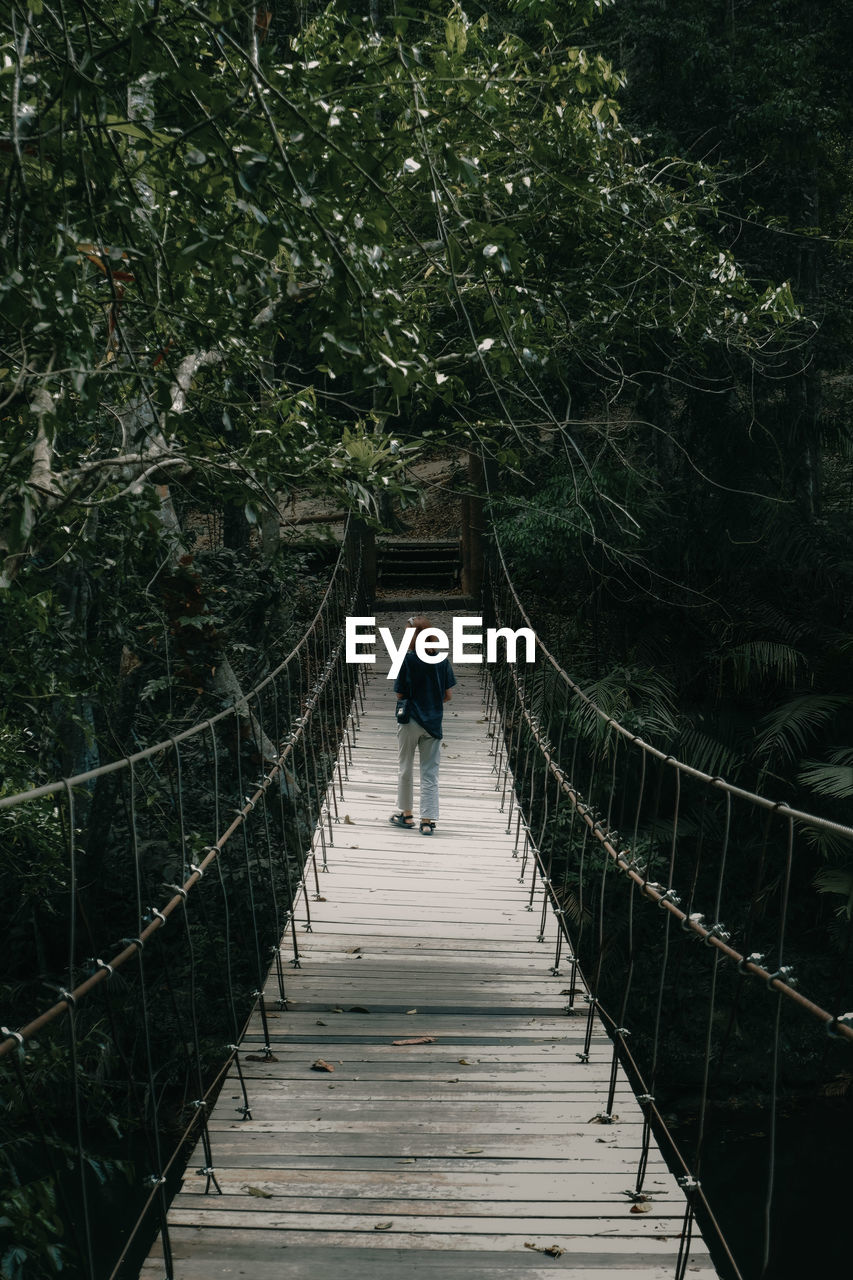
421 623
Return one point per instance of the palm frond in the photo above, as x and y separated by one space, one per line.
786 731
638 698
835 780
707 753
762 659
837 880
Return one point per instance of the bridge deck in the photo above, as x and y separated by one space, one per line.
468 1156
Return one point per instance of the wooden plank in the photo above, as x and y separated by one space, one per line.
602 1153
275 1260
493 1188
661 1249
255 1216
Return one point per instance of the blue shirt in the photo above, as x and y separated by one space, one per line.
424 684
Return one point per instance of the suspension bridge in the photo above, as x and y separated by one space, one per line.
434 1066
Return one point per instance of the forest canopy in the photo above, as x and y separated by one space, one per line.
242 254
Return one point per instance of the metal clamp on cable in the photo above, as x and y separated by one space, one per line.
695 918
12 1035
755 957
842 1020
785 974
207 1172
624 1032
582 1057
646 1098
717 930
198 1103
669 896
157 915
197 871
133 942
155 1179
70 1000
689 1184
179 889
102 964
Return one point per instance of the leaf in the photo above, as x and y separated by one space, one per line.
348 820
260 1057
835 779
473 1151
552 1250
411 1011
785 732
320 1064
258 1191
382 1226
640 1208
417 1040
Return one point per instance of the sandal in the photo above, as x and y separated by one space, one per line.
405 820
427 826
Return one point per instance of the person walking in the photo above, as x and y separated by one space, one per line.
427 686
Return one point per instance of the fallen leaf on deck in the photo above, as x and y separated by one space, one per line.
259 1191
382 1226
640 1208
337 1009
321 1065
319 898
463 1062
416 1040
357 1008
348 820
473 1151
552 1250
411 1011
319 1023
260 1057
352 950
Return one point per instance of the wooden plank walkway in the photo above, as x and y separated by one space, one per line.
465 1157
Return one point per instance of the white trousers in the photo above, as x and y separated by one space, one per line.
410 736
